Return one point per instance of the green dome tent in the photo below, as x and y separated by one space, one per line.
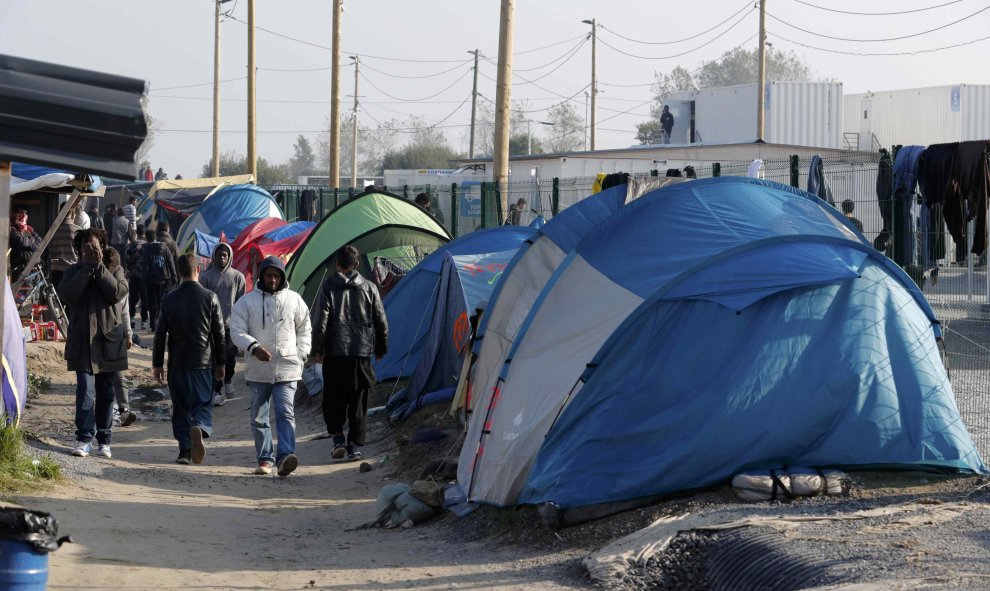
377 224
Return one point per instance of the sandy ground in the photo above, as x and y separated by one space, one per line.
140 521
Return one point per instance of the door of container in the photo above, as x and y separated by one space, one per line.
865 125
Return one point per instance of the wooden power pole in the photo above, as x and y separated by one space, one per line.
354 138
215 169
594 76
761 72
474 102
503 104
334 145
252 147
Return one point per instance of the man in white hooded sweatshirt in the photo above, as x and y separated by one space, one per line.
271 325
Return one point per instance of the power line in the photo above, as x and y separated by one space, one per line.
365 78
683 53
584 35
566 54
783 22
202 84
732 16
881 54
827 9
459 64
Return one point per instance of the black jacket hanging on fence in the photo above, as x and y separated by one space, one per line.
615 179
885 181
817 183
974 186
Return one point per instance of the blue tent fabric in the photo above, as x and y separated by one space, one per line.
289 230
409 306
231 209
757 330
29 172
205 244
465 281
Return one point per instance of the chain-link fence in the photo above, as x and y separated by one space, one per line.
954 281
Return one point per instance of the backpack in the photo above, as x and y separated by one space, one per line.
157 266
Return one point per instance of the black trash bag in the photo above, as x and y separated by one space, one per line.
33 527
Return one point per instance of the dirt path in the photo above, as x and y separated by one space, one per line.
140 521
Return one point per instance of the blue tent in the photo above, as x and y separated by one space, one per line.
227 212
465 282
712 327
409 306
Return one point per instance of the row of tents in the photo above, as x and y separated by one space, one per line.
654 339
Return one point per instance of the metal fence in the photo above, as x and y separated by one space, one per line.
954 281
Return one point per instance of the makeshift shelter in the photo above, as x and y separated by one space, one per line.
711 327
465 282
173 201
377 224
409 305
267 237
228 211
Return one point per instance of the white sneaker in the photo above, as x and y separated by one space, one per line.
104 451
83 449
219 400
228 390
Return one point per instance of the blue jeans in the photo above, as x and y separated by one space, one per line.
192 403
94 406
283 393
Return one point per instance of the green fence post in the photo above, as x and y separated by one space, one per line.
795 174
716 169
350 193
405 192
899 250
484 203
336 197
555 197
321 206
498 202
453 210
654 172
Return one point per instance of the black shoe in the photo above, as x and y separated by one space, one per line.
353 453
185 458
127 418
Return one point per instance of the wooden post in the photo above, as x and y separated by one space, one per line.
503 103
761 71
334 146
252 147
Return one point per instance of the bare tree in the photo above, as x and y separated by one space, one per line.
567 133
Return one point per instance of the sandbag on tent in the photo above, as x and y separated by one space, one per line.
465 282
377 224
228 211
409 306
708 328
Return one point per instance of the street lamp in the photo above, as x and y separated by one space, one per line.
529 125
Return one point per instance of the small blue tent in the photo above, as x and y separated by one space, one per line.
465 282
409 306
226 212
712 327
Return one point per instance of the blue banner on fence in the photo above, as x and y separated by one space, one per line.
470 204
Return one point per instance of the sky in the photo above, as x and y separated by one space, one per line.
414 57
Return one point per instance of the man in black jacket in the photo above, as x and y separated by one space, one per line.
349 326
192 327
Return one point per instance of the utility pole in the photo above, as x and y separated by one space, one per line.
761 71
215 170
503 91
586 94
252 149
474 102
334 145
357 65
594 76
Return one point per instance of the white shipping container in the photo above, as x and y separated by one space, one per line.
795 113
918 116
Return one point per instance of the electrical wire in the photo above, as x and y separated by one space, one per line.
880 54
783 22
556 44
376 70
365 78
852 12
203 84
323 68
746 6
566 54
683 53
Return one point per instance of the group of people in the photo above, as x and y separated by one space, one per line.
147 175
200 321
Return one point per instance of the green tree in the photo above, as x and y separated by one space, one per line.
519 145
233 163
303 161
567 133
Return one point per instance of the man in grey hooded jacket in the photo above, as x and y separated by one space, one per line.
229 285
349 326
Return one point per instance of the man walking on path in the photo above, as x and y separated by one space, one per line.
130 211
349 326
119 231
191 326
96 345
135 278
228 283
271 324
158 273
165 237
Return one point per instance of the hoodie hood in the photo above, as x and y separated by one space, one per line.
277 263
349 280
230 257
111 258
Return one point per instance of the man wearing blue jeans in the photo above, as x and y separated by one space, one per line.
191 326
96 345
271 324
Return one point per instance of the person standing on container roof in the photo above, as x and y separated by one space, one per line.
667 123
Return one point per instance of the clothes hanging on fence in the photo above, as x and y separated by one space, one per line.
755 170
974 186
614 180
905 213
885 182
817 183
935 174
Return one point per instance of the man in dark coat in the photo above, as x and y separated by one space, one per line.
191 327
24 241
349 326
96 343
